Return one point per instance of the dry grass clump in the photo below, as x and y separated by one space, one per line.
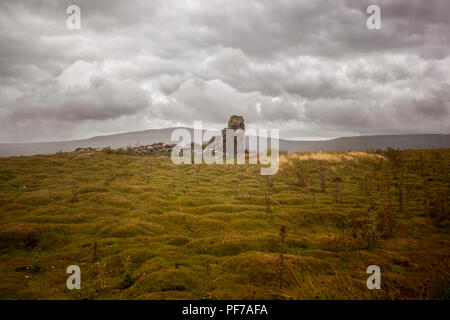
330 156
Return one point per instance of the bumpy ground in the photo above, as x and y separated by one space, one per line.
142 227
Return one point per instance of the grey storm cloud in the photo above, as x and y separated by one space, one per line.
81 92
310 66
437 105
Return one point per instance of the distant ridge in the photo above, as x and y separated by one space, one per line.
358 143
364 143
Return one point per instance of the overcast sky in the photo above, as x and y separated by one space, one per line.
309 68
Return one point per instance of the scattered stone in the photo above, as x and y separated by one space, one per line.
154 149
88 154
83 149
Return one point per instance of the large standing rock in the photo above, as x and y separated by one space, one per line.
236 122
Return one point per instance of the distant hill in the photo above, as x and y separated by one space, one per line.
359 143
114 140
364 143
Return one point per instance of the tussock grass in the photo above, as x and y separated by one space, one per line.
331 156
144 228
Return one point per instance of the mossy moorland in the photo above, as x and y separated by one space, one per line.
144 228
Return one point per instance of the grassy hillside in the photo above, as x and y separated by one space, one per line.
142 227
